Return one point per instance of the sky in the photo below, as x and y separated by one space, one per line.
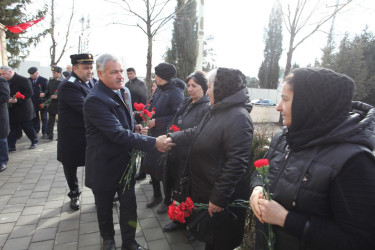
237 27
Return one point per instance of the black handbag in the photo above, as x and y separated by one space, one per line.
182 189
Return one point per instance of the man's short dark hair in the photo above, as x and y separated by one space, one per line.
130 70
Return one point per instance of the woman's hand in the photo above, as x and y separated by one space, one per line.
272 212
256 195
212 208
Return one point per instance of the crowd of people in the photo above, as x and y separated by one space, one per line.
321 164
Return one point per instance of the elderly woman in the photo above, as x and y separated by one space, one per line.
322 169
220 156
188 115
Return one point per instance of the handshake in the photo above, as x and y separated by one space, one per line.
163 143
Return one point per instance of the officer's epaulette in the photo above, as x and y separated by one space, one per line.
72 79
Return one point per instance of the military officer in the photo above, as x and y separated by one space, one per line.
71 128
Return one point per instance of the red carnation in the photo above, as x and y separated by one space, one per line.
261 163
40 106
174 128
19 95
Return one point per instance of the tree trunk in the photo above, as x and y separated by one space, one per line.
149 65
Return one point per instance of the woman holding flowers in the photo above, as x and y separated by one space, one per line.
165 101
220 156
321 167
188 115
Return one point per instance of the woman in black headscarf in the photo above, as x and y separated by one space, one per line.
322 169
220 156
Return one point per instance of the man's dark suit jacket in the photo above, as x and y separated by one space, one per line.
109 137
39 86
4 116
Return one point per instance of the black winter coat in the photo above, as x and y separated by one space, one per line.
40 86
188 115
4 116
71 127
53 85
330 197
23 110
166 100
220 161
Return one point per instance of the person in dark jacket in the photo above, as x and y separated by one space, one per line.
71 144
188 115
39 84
21 110
219 156
52 93
165 101
136 87
321 167
4 123
110 139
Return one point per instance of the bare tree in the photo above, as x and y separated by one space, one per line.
303 19
153 15
56 38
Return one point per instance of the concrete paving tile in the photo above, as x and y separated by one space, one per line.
59 183
48 213
88 217
17 243
15 179
36 202
18 200
23 193
153 234
54 197
42 245
30 181
27 220
90 239
6 191
26 187
13 208
161 244
6 228
22 231
182 246
3 238
149 223
42 188
37 195
68 246
44 234
178 236
5 198
32 210
9 217
89 227
68 225
88 208
48 222
70 215
66 237
96 247
145 213
53 204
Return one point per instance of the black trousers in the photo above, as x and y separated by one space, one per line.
51 124
72 180
128 213
36 121
16 128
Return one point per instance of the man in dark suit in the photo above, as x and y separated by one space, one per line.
52 93
39 84
4 123
110 139
71 144
21 110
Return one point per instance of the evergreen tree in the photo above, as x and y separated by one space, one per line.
13 12
269 70
183 52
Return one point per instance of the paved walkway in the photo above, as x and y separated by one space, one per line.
35 213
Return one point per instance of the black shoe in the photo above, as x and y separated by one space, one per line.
140 176
49 137
74 203
11 149
173 226
44 136
2 167
154 201
109 245
33 145
189 237
163 208
134 246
